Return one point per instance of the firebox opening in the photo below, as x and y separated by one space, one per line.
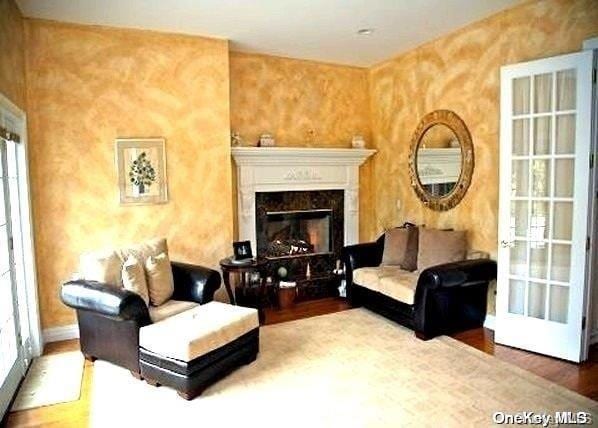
297 233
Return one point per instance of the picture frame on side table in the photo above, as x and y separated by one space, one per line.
242 250
141 165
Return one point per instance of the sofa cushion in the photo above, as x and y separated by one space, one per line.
438 247
392 281
366 275
169 308
400 286
160 282
400 247
370 276
197 331
133 277
101 266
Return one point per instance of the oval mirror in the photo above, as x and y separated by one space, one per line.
441 160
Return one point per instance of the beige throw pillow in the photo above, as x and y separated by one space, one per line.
159 278
152 247
400 248
101 266
437 247
133 276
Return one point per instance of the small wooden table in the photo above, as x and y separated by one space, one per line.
259 265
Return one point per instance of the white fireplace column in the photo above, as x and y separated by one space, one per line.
279 169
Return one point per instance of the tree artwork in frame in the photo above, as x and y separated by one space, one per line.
141 164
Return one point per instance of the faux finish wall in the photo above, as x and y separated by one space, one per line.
89 85
12 53
461 72
303 104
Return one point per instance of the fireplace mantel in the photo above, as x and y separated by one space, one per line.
277 169
299 155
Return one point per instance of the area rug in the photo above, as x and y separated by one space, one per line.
52 379
350 369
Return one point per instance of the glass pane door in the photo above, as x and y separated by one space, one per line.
545 140
13 356
10 354
542 194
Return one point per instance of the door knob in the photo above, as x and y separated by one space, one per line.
507 244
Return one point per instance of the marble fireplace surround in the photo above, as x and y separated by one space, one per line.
279 169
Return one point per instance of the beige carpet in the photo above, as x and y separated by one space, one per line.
52 379
349 369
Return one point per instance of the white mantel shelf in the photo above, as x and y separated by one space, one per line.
279 169
299 155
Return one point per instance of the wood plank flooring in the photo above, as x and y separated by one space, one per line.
582 378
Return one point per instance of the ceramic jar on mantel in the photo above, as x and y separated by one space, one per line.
266 140
358 142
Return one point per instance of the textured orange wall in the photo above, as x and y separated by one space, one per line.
12 53
89 85
460 72
303 104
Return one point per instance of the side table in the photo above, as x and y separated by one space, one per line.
260 265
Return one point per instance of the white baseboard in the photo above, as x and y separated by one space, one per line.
489 322
65 332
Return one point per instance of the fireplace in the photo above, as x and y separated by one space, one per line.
298 229
298 232
264 174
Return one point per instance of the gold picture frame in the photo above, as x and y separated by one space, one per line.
141 166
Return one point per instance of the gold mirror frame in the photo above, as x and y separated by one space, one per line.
456 124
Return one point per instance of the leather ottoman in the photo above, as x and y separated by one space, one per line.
191 350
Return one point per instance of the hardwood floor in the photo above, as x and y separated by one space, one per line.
582 378
306 310
73 414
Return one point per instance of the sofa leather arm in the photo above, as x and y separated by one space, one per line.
104 299
194 283
458 274
452 296
358 256
363 255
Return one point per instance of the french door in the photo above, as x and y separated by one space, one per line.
545 144
15 341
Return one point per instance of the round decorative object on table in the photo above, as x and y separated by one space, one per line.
244 268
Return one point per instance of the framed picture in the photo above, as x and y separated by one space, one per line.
242 250
141 164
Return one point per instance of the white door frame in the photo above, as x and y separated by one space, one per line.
591 335
511 329
35 335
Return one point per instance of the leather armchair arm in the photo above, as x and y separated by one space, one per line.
194 283
458 274
104 299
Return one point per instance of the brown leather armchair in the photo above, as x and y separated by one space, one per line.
109 318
